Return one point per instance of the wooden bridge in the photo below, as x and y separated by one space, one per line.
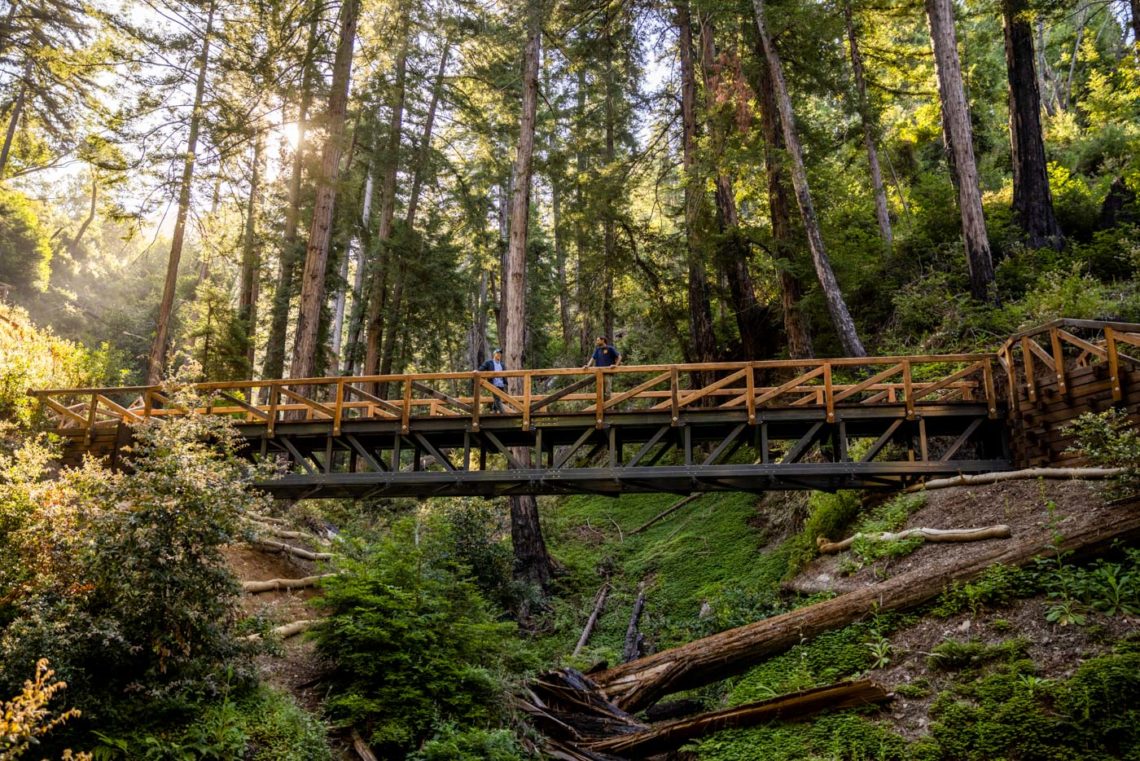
877 422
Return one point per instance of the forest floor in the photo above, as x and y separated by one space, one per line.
723 561
292 665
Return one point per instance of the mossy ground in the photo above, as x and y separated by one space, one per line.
720 561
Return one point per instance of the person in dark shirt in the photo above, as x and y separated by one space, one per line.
604 356
495 363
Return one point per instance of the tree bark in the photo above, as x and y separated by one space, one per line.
634 685
73 244
532 563
796 327
424 156
359 302
1135 7
274 366
702 339
753 321
582 292
1032 200
960 148
14 118
377 311
870 130
306 346
157 362
250 259
836 306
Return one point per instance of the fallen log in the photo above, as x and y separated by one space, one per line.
266 545
591 622
292 629
273 585
828 547
666 737
666 512
1016 475
282 533
362 748
635 685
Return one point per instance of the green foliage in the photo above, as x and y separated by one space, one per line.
33 357
415 646
1110 439
887 517
995 587
259 725
844 735
25 249
828 515
120 580
453 744
954 655
1010 713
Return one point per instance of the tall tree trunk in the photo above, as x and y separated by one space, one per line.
564 318
250 258
960 145
796 326
1082 19
1046 82
352 353
374 331
477 333
532 563
757 339
14 118
1032 200
702 340
582 291
1135 7
157 362
423 158
306 346
870 129
336 331
290 258
836 306
73 244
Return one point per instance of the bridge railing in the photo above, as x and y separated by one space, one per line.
1046 358
527 395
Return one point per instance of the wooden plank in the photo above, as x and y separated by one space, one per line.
406 412
638 390
750 391
908 390
779 390
526 403
991 394
600 398
500 394
1041 354
701 393
309 403
1058 360
881 441
1027 366
64 411
922 390
374 401
561 393
828 393
441 396
849 391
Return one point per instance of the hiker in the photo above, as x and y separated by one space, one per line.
604 356
494 364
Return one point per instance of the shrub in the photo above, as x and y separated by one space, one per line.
414 644
1111 440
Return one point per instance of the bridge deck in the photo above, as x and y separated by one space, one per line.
820 424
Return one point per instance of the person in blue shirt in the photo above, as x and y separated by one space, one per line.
495 363
604 356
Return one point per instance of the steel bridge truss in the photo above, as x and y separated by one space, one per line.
880 447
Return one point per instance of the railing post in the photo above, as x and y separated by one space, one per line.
476 403
338 407
600 399
91 411
1058 361
406 414
991 394
1113 364
1030 372
274 395
908 390
750 385
526 401
829 392
674 393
